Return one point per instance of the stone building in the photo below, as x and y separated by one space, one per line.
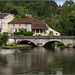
10 24
5 18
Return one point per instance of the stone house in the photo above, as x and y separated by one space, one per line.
5 18
10 24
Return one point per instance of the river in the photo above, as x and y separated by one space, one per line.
37 61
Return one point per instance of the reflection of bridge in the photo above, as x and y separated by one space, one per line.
42 40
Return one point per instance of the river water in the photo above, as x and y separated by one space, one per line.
37 61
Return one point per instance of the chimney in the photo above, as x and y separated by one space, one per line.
28 15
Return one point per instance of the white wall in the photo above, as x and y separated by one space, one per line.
54 32
5 22
19 26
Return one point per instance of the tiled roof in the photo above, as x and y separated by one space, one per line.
2 15
36 24
20 21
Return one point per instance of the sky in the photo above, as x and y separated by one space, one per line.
61 1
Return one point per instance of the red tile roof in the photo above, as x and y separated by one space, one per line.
2 15
36 24
20 21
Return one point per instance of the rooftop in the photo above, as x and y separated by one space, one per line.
36 24
20 21
2 15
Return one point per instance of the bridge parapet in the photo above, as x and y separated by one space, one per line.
42 37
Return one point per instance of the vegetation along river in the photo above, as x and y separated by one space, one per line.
37 61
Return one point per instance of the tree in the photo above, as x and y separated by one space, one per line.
17 16
65 23
2 5
4 38
9 8
1 43
71 19
35 7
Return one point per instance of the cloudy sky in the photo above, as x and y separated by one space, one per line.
61 1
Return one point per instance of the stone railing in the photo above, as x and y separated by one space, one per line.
42 37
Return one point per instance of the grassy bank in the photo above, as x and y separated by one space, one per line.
15 46
61 45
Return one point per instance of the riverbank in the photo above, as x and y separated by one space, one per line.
16 46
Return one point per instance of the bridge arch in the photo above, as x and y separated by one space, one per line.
23 40
52 41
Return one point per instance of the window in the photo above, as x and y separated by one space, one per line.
25 30
37 31
19 30
41 31
13 30
56 33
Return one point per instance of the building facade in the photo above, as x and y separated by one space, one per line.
5 18
10 24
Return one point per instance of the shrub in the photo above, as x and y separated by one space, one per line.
22 29
5 32
39 35
1 43
4 38
30 33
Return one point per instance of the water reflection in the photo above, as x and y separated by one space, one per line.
38 60
3 63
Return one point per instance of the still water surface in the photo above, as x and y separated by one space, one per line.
37 61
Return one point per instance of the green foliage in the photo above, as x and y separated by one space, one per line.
4 38
66 15
13 46
30 33
5 33
1 43
2 5
8 7
39 35
17 16
22 30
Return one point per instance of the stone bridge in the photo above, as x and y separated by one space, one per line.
42 40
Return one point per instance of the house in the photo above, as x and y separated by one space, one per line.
5 18
11 24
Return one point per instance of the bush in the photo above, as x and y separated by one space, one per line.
30 33
39 35
22 29
4 38
1 43
5 32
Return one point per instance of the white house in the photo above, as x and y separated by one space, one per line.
5 18
10 24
